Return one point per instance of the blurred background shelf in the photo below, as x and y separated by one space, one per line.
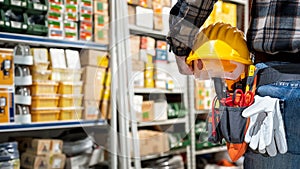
156 90
165 122
211 150
171 152
45 41
12 127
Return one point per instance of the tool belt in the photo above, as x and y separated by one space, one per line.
281 57
286 72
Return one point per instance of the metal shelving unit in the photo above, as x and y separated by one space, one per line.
13 127
156 90
45 41
147 32
211 150
171 152
161 123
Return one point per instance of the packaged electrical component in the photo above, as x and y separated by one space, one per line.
22 76
6 66
22 55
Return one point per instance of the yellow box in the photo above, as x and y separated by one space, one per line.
70 100
44 114
6 102
149 83
66 75
44 87
41 66
70 88
149 73
7 67
72 113
40 101
41 75
108 79
106 94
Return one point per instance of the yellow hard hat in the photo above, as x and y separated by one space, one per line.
220 43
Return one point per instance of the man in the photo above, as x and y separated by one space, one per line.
273 38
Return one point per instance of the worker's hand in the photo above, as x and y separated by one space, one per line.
187 69
266 130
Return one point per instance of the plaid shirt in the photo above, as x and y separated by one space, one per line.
274 26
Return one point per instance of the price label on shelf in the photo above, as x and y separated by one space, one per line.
16 2
16 24
1 22
38 6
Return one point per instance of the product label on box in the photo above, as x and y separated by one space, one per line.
15 24
16 2
56 163
38 6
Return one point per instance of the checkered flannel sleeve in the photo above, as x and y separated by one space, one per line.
186 17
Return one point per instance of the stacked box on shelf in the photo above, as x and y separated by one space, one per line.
95 65
101 21
43 153
66 69
6 78
55 19
138 65
161 59
86 20
44 91
71 19
204 94
37 19
147 52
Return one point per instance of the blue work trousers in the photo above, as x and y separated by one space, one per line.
290 93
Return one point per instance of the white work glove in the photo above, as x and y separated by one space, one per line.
266 130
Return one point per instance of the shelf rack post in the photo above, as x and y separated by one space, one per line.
113 140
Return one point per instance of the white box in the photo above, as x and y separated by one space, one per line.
73 60
160 110
58 59
144 17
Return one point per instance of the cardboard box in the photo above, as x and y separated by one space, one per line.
145 3
57 161
105 109
40 146
135 47
91 110
158 18
92 92
131 15
101 35
94 58
144 17
101 20
31 161
7 66
56 146
137 65
160 110
153 142
93 75
161 44
161 55
147 43
138 78
78 162
148 110
101 8
137 107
